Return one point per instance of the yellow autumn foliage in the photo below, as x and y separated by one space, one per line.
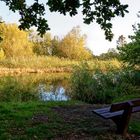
15 42
73 46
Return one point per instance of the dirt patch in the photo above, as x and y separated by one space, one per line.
79 123
87 125
39 118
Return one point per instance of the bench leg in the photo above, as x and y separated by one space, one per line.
122 123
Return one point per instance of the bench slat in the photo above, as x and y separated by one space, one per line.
120 113
120 106
107 114
110 115
102 110
136 102
136 109
124 105
118 109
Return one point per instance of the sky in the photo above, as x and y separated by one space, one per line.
60 25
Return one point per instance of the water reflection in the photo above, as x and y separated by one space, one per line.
33 87
53 93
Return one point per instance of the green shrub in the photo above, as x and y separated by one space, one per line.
102 87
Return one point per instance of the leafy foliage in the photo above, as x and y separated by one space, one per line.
101 87
131 52
0 32
2 56
13 89
111 54
55 46
101 11
73 46
121 41
15 42
43 46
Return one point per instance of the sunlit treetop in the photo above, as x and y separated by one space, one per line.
100 11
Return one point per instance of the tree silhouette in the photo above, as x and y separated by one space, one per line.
101 11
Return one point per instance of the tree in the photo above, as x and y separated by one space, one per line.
73 44
111 54
15 42
101 11
121 41
42 46
2 56
131 52
1 32
55 46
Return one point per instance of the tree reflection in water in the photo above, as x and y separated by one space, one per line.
54 93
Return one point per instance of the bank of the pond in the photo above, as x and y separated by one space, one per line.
52 64
34 70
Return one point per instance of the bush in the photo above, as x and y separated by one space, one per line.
101 87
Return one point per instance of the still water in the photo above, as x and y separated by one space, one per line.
53 94
46 87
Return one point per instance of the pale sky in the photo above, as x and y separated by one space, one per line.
60 25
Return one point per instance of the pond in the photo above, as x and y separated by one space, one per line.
57 93
31 87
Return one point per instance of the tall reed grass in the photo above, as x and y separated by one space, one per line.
36 62
103 86
43 62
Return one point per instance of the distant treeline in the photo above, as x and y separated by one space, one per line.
17 43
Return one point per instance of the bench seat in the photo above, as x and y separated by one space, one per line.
120 113
106 114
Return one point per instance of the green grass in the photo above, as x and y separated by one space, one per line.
134 127
126 97
17 122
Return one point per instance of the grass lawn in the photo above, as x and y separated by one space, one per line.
57 121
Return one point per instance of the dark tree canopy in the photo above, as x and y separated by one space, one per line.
101 11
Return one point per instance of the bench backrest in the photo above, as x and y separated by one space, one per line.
136 102
124 105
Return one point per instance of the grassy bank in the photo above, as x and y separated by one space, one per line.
46 64
56 120
37 62
40 62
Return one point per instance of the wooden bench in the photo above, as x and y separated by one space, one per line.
120 113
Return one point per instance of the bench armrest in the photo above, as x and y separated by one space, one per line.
130 103
121 106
